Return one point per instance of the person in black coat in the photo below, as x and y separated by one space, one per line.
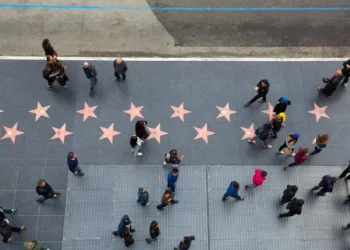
154 232
124 224
294 207
346 72
281 105
140 130
6 230
91 73
120 68
326 185
185 243
331 84
262 88
276 126
288 194
45 191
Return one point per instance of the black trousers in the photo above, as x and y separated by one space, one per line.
118 76
286 214
346 79
345 172
263 95
14 229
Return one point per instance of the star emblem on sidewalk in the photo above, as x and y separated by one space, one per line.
60 133
1 111
134 111
203 133
269 112
88 111
156 133
180 111
12 132
319 112
40 111
248 132
109 133
225 111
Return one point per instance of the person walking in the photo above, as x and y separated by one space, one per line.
232 191
91 73
124 224
276 125
140 130
127 238
294 207
45 191
258 178
281 105
262 88
143 196
120 68
299 158
331 84
345 172
171 158
33 245
321 143
289 143
154 232
6 230
167 198
3 211
172 179
346 72
49 50
185 243
135 143
73 166
325 186
288 194
262 133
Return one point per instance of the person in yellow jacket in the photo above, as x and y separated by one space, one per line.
33 245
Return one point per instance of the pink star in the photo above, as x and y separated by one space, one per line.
40 111
12 133
203 133
60 133
319 112
180 111
109 133
248 132
134 111
156 133
225 111
269 112
1 111
87 111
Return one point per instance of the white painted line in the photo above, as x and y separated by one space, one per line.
178 59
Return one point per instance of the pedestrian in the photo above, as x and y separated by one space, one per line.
73 166
288 194
294 207
172 179
326 185
258 178
140 130
331 84
120 68
276 125
127 238
167 198
60 74
262 88
91 73
11 211
281 105
345 172
289 144
135 143
346 72
124 224
33 245
45 191
154 232
185 243
143 196
232 191
347 226
262 133
49 50
48 74
321 143
171 158
6 230
299 158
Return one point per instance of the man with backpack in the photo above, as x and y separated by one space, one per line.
326 185
262 133
171 158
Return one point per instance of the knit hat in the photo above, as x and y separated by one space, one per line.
284 99
296 135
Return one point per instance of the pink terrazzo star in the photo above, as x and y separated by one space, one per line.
269 112
203 133
134 111
180 111
88 111
109 133
12 133
1 111
156 133
225 111
40 111
60 133
319 112
248 132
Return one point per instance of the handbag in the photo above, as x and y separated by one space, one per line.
314 141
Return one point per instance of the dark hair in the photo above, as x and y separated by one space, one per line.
174 152
167 191
236 184
294 188
186 240
154 224
292 139
175 170
127 221
40 181
45 43
263 173
71 154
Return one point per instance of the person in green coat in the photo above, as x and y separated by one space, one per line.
33 245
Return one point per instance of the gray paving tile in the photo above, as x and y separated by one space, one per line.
57 177
50 228
8 178
28 177
25 202
30 222
56 207
7 198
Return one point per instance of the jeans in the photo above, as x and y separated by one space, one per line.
292 164
263 95
316 151
172 187
93 81
118 76
251 186
41 199
161 206
256 137
78 169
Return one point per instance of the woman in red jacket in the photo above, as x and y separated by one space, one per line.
299 158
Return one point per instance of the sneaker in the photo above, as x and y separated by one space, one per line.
164 163
174 201
22 228
91 93
345 227
175 192
54 196
319 89
293 154
9 240
268 146
345 85
251 141
285 167
148 241
81 174
48 86
242 198
246 186
280 152
262 100
160 208
64 86
247 104
58 193
225 199
13 211
124 245
147 204
139 154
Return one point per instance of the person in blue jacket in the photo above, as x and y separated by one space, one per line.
124 224
172 179
143 196
73 166
232 191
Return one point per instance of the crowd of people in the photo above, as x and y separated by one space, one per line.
55 71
